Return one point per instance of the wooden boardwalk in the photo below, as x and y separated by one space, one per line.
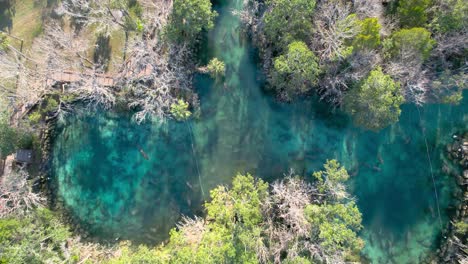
105 80
71 77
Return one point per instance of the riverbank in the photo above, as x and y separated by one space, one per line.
454 247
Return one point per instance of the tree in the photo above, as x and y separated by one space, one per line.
375 103
17 197
369 35
231 231
189 18
36 238
450 16
405 51
179 110
409 44
216 68
336 227
12 138
287 21
413 13
334 27
296 71
330 181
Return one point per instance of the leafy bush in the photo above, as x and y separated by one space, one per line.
216 68
450 16
189 18
35 117
375 103
296 71
406 43
179 110
288 21
38 238
413 13
369 35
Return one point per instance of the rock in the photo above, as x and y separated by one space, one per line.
465 174
460 180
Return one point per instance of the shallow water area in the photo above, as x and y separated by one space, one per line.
114 191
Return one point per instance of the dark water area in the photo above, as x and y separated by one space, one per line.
114 191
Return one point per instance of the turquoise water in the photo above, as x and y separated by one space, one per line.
115 192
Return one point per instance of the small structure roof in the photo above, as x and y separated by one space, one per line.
24 155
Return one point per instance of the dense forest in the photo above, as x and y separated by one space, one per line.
63 59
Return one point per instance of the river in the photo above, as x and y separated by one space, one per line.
115 192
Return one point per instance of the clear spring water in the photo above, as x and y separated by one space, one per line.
115 192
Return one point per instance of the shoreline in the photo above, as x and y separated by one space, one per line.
452 248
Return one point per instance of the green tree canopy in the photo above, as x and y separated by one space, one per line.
189 18
296 71
37 238
369 35
179 110
336 221
12 138
288 20
231 230
376 102
216 68
336 226
450 16
409 43
413 13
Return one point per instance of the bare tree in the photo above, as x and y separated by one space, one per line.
152 74
286 227
16 195
334 25
192 229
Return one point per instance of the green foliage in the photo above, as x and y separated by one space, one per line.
450 16
38 238
240 204
231 229
216 68
337 220
179 110
49 105
413 13
332 176
296 71
454 98
35 117
12 138
336 225
414 42
376 102
369 35
461 227
288 21
140 254
132 11
4 42
189 18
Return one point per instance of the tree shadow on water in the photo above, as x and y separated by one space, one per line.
102 51
7 12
